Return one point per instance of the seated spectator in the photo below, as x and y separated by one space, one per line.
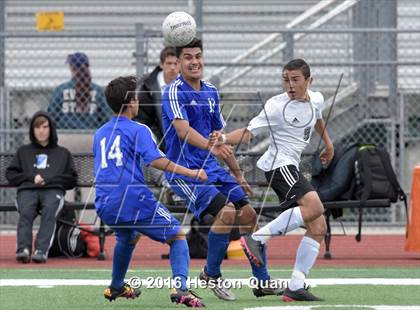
79 103
43 171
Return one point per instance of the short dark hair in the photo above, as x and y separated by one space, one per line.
298 64
166 52
194 43
120 91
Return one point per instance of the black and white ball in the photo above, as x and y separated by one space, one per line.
179 29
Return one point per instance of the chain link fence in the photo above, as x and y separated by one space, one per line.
374 43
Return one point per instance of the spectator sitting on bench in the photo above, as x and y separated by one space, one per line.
43 171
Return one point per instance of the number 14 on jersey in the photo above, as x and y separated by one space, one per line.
113 154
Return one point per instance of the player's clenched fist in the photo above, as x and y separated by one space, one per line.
215 138
200 174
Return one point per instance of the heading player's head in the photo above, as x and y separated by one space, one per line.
121 95
191 60
169 64
296 77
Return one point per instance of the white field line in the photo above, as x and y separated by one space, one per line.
376 307
235 270
235 282
226 271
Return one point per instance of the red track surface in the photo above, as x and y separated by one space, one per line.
372 251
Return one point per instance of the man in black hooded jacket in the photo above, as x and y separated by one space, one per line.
43 171
150 90
150 93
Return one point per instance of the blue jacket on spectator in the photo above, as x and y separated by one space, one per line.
79 103
63 108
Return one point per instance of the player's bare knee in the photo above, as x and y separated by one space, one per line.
318 208
227 214
318 227
247 215
312 207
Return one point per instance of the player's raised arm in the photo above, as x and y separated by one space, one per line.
238 136
167 165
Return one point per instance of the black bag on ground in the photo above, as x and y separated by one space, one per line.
333 182
197 237
375 179
67 240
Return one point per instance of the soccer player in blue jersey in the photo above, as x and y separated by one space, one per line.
190 112
124 202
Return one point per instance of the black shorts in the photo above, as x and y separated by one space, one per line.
289 184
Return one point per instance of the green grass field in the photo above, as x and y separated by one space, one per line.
90 296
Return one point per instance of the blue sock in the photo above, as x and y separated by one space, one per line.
217 247
120 262
261 273
180 261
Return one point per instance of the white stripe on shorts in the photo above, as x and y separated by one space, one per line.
187 191
164 213
287 176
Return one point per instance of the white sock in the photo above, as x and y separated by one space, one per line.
306 256
287 221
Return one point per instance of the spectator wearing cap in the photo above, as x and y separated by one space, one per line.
79 103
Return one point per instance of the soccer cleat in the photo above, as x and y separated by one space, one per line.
252 249
301 294
126 291
270 287
39 257
188 298
215 284
23 256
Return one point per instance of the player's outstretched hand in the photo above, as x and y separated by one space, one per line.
326 155
222 150
201 175
214 138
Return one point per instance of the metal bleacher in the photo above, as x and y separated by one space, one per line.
34 62
39 62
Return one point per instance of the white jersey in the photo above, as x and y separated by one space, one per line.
287 141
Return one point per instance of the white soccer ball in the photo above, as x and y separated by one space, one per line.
179 28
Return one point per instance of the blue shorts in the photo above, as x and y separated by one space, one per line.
199 195
160 226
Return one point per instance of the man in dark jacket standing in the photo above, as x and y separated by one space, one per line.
43 171
150 92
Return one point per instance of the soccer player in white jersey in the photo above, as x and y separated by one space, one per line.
281 166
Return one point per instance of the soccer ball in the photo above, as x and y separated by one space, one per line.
179 28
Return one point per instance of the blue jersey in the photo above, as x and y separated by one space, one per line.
202 110
121 193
